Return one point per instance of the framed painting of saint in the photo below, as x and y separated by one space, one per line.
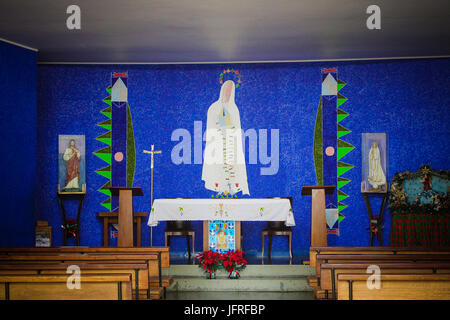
71 164
374 162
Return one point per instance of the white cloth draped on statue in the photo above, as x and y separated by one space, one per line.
224 169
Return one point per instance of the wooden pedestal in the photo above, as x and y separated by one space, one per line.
126 213
318 214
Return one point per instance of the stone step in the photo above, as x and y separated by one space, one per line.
245 283
269 271
233 296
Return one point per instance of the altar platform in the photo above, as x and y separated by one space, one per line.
258 281
265 282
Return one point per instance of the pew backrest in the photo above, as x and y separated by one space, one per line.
162 251
55 287
330 271
377 258
395 287
314 251
153 261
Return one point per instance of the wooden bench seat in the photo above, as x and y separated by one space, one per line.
374 258
138 271
159 258
152 261
314 251
330 271
395 287
166 281
156 293
163 251
54 287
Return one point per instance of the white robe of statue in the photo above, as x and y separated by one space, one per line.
224 169
376 174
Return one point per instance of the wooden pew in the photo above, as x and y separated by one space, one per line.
54 287
152 262
315 281
377 258
395 287
314 251
162 251
138 271
330 271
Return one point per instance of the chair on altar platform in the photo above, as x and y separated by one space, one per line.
277 228
180 228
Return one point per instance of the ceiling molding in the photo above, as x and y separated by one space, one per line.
19 45
242 62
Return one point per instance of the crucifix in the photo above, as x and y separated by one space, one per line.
152 152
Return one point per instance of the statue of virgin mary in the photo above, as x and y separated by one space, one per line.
224 169
377 177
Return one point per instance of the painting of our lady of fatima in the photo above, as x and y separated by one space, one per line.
71 163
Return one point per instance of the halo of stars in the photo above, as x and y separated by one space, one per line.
233 72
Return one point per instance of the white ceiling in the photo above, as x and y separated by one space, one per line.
162 31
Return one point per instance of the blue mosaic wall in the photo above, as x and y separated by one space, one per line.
18 144
407 99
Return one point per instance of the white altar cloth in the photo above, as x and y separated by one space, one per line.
221 209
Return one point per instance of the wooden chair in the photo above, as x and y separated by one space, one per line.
180 228
277 228
112 217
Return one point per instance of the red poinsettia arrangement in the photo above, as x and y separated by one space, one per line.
231 261
209 261
234 261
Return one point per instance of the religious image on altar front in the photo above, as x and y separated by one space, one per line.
71 166
224 170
